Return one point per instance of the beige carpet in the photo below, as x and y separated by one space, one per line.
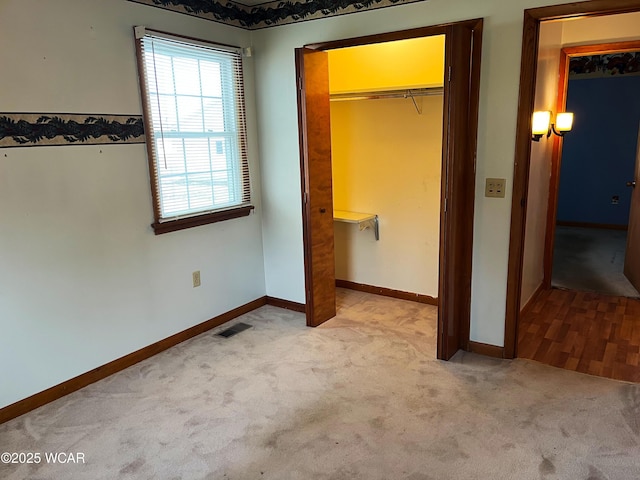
361 397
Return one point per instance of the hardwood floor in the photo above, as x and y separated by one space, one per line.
583 331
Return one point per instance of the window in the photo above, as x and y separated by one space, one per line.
193 102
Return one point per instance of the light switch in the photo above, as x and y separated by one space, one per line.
495 187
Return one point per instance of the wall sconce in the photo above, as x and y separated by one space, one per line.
541 124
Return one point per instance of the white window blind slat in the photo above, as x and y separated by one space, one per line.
196 118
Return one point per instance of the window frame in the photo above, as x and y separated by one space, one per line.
163 225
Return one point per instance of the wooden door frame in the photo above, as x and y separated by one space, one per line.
454 174
528 69
556 157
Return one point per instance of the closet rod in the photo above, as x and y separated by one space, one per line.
404 93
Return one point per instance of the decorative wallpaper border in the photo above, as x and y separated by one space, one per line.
269 14
606 65
37 129
230 13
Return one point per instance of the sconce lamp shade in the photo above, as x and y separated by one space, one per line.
564 122
540 124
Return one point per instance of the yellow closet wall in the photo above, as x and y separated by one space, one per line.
387 160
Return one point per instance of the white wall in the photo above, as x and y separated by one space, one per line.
540 170
83 278
386 160
277 117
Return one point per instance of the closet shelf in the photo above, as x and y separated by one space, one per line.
363 220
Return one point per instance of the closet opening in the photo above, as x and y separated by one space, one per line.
386 157
387 146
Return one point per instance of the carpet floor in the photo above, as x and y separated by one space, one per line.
591 260
361 397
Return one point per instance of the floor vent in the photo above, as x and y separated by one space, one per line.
231 331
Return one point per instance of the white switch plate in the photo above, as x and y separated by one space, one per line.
495 187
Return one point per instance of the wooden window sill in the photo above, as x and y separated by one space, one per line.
196 221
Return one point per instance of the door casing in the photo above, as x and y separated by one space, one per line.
528 69
463 42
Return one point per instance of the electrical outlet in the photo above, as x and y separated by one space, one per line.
495 187
615 200
196 278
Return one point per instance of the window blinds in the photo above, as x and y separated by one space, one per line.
196 118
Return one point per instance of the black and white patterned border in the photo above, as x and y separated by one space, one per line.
269 14
230 13
606 65
36 129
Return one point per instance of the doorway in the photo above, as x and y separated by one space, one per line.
533 19
590 194
461 98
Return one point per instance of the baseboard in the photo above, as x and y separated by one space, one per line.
387 292
31 403
606 226
524 310
287 304
486 349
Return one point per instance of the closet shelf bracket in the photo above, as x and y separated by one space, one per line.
363 220
415 104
